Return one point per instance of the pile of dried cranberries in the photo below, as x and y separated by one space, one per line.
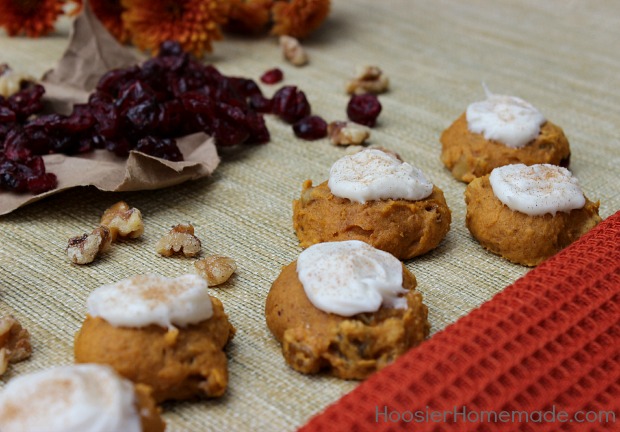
138 108
144 108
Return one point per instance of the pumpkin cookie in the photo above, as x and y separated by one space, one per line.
77 398
498 131
374 197
528 213
345 308
166 333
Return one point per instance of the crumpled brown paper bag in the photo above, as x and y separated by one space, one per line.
92 51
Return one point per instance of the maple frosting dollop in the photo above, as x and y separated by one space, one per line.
537 189
143 300
77 398
350 277
506 119
372 174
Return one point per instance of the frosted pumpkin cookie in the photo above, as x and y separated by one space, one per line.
498 131
163 332
77 398
374 197
345 308
528 213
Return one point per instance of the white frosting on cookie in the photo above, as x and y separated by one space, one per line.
77 398
372 174
350 277
506 119
538 189
152 299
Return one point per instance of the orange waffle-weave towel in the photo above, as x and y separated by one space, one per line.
542 355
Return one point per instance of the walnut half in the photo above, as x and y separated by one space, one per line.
11 82
180 240
14 342
292 51
215 269
369 79
123 221
84 249
347 133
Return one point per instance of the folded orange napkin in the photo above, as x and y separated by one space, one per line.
544 354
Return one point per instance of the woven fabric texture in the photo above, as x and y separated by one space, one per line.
548 343
559 55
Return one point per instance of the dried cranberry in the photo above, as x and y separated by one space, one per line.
198 103
259 134
132 94
231 113
290 104
272 76
97 141
7 115
35 164
228 133
174 64
178 85
43 183
49 122
164 148
170 48
80 120
29 174
5 128
143 117
11 180
112 81
16 145
170 117
85 145
310 128
107 116
27 102
243 87
119 146
211 76
63 144
260 103
364 109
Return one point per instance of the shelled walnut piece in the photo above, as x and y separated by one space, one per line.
215 269
84 249
180 240
10 81
368 79
123 221
292 51
14 342
347 133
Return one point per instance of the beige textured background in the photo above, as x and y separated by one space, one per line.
559 55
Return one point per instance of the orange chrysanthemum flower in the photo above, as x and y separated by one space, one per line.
249 16
77 8
192 23
33 18
109 12
298 18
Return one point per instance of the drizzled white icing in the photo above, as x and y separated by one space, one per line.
538 189
351 277
375 175
152 299
78 398
506 119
